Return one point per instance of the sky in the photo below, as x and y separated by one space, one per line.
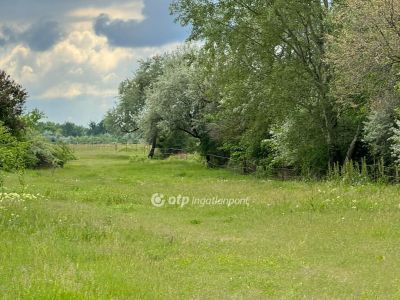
71 55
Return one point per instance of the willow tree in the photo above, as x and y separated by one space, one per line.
124 118
365 50
275 51
178 101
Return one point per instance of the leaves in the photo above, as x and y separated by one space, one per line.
12 100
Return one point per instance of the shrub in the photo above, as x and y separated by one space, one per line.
12 151
42 154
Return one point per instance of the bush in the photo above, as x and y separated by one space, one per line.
12 152
42 154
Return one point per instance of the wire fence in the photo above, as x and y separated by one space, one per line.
243 166
117 147
349 171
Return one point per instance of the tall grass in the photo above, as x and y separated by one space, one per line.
360 173
92 233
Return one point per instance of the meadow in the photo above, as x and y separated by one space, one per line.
90 231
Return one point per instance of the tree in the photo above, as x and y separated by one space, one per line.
12 152
365 50
179 101
12 101
284 83
123 118
275 52
71 129
96 128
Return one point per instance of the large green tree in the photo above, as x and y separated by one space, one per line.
180 99
124 117
12 101
274 55
365 50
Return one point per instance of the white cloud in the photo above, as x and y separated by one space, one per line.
122 11
83 64
77 75
73 90
27 74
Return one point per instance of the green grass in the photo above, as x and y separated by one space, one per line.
95 235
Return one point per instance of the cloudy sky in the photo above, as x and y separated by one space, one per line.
71 55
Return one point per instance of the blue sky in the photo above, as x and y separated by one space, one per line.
71 55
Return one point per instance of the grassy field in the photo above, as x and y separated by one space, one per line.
93 233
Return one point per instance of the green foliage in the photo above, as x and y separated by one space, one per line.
289 84
269 63
13 154
12 101
365 50
350 173
395 139
70 133
167 103
179 98
71 129
21 144
356 173
42 154
12 151
97 128
125 117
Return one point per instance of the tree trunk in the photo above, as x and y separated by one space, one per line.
330 122
153 146
245 170
352 146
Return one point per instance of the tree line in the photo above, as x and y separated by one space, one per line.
283 83
307 85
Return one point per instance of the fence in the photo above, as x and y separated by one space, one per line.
214 161
238 166
111 147
349 171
